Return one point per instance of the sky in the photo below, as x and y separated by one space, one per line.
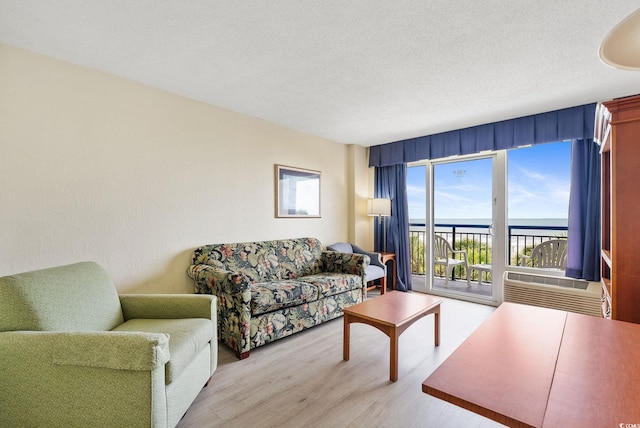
537 183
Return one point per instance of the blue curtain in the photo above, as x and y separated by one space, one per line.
583 247
391 182
559 125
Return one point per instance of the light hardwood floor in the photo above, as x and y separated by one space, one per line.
302 381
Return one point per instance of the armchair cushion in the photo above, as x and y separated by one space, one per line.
374 272
186 339
35 300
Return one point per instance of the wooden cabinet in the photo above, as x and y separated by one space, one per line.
618 131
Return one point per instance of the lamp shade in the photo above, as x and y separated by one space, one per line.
380 207
621 47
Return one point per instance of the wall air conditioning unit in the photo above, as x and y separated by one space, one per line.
566 294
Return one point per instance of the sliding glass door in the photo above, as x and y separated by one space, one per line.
493 209
453 207
462 224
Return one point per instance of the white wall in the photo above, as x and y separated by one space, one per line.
95 167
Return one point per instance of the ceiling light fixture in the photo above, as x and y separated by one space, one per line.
621 47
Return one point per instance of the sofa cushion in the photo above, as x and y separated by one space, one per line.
263 261
269 296
330 283
285 322
187 337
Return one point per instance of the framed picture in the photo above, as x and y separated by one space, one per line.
297 192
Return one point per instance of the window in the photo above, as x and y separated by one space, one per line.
538 180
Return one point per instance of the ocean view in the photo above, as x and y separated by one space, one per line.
418 225
552 222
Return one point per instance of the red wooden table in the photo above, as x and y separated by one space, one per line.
535 367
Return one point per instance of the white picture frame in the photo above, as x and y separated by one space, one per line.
297 192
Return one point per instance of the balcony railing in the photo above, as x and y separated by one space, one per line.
477 240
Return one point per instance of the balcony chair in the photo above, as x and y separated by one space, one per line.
444 255
73 353
551 254
376 269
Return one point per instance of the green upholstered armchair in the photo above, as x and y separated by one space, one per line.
74 353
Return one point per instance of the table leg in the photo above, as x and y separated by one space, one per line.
393 356
393 281
346 337
436 323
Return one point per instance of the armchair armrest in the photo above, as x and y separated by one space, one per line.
159 306
97 349
524 260
82 378
464 254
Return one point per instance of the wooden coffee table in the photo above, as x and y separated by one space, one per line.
392 313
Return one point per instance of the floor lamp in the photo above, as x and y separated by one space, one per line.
381 207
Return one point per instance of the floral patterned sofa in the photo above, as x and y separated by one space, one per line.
271 289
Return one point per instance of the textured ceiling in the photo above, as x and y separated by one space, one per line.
357 72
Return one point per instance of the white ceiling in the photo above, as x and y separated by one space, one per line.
354 71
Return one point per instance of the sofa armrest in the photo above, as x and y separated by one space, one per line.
161 306
376 259
234 304
210 279
351 263
81 378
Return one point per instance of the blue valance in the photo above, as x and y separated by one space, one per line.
559 125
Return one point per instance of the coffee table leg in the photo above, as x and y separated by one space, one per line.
436 319
346 338
393 356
